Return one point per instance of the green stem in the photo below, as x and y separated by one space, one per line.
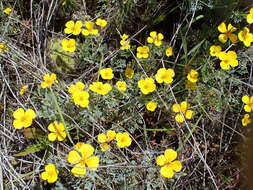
61 116
100 65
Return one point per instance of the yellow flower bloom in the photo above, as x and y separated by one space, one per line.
250 16
147 85
165 75
3 48
104 139
50 174
125 44
23 118
215 50
227 33
121 85
151 106
155 38
101 22
106 73
81 158
48 80
78 86
81 98
124 36
7 11
142 52
73 28
89 29
249 103
69 45
182 110
169 51
129 72
193 76
123 140
245 36
23 89
228 59
100 88
246 120
57 131
168 163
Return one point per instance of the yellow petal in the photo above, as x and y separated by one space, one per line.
188 114
176 166
102 138
30 113
50 167
247 108
70 24
17 124
233 38
150 40
179 118
167 172
52 136
176 108
74 157
161 160
222 27
246 99
78 171
104 147
18 113
223 38
170 154
86 149
110 135
92 162
44 175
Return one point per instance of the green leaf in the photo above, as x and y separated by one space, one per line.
31 149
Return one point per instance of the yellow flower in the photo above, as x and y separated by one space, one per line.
215 50
228 59
227 33
164 75
57 131
81 158
168 163
246 120
106 73
81 98
169 51
101 22
142 52
78 86
69 45
155 38
129 72
23 89
50 174
100 88
89 29
193 76
123 140
7 11
73 28
151 106
250 16
245 36
249 103
23 118
190 85
182 111
3 48
125 44
147 85
104 139
48 80
121 85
